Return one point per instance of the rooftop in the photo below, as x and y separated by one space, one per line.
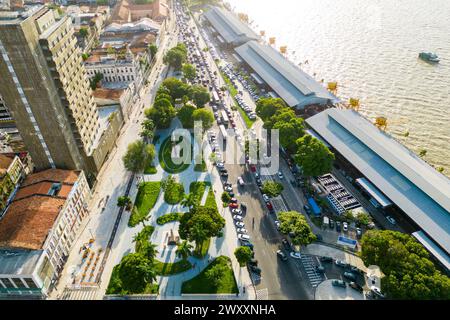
405 179
19 262
229 26
294 86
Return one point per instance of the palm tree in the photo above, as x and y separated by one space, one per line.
199 235
190 201
149 251
139 240
148 130
144 220
184 250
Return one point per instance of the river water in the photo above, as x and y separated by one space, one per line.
370 47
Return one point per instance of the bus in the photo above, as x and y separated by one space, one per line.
223 133
215 96
224 117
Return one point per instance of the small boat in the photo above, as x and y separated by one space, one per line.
429 56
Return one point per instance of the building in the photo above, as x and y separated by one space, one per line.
129 11
11 174
47 91
400 181
122 98
38 230
230 30
295 87
5 115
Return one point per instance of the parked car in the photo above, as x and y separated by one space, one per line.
243 206
331 224
277 224
253 262
265 197
233 205
247 244
233 200
338 226
356 287
341 263
242 230
320 269
358 233
356 270
238 217
307 209
281 255
391 220
326 259
345 226
339 283
236 211
240 224
280 175
255 269
227 188
240 181
219 164
224 174
286 244
243 237
350 276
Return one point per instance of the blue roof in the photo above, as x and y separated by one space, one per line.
315 208
408 181
294 86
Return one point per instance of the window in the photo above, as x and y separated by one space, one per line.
18 282
30 283
7 283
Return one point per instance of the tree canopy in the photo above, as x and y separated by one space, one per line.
199 95
289 132
185 115
176 56
205 116
243 255
189 71
162 113
267 107
313 156
295 223
175 88
138 156
135 272
272 188
409 273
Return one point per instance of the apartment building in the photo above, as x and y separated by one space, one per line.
11 174
5 115
38 230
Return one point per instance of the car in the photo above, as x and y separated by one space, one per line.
350 276
240 224
242 230
253 168
338 226
255 269
258 182
307 209
331 224
338 283
282 255
286 244
236 211
391 220
244 237
224 174
233 205
356 287
247 244
345 226
277 224
358 233
295 255
341 263
280 175
220 165
231 193
238 217
253 262
265 197
240 181
233 200
320 269
227 184
228 188
326 259
243 206
356 270
269 206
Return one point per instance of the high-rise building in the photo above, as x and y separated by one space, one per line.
45 86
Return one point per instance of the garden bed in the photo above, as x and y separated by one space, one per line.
167 269
145 200
169 217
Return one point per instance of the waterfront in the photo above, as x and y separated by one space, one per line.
370 48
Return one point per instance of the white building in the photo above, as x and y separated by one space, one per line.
38 231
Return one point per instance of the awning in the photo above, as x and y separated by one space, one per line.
257 79
435 250
374 192
315 208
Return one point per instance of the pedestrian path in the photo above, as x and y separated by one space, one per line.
80 293
205 195
262 294
310 269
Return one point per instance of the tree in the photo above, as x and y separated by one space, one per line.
149 251
289 132
140 239
409 273
199 95
349 216
267 107
138 156
153 49
185 115
84 32
295 224
95 80
215 273
184 250
189 71
313 156
148 130
189 200
123 201
135 272
243 255
206 117
162 113
363 218
176 56
272 188
226 197
282 115
175 88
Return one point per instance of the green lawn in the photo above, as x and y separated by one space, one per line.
248 122
167 269
201 284
115 285
169 217
165 158
231 88
145 200
211 199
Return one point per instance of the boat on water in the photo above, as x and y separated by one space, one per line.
429 56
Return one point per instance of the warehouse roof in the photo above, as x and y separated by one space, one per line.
232 30
408 181
294 86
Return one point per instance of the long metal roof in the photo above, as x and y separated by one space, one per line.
408 181
229 26
294 86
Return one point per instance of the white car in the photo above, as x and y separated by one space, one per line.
265 197
236 211
244 237
277 224
240 224
280 175
391 220
296 255
240 181
238 217
219 164
228 188
242 230
345 226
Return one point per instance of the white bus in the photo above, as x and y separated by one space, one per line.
223 132
215 96
224 117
